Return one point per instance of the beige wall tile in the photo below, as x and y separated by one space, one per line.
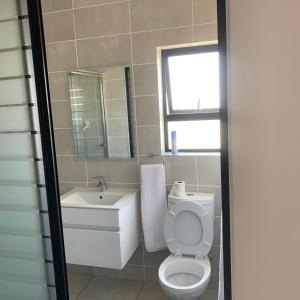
147 110
55 5
205 11
102 20
71 169
64 142
209 170
59 85
62 117
114 89
104 51
117 127
218 197
145 80
61 56
215 253
59 26
65 187
148 138
83 3
145 43
123 171
217 231
206 32
156 14
181 168
116 108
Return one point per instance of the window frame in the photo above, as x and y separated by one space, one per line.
183 115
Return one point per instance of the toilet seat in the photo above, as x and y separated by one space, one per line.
184 277
188 229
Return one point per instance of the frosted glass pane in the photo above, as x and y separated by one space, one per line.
13 91
18 268
10 290
18 144
10 33
12 171
8 9
11 63
14 119
22 246
22 197
20 222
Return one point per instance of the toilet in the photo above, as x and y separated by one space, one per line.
188 231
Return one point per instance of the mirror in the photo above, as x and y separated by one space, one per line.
100 105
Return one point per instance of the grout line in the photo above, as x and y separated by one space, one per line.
75 34
140 291
57 11
103 4
85 287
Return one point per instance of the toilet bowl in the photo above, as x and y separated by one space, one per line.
188 231
184 277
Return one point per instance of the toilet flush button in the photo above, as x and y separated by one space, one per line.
172 213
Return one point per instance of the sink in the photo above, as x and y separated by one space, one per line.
101 229
92 198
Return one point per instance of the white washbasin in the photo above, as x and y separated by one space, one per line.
101 229
93 198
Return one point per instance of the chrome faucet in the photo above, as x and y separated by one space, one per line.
101 183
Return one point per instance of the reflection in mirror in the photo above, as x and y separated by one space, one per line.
101 113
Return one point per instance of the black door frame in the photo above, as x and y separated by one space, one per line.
49 156
222 41
48 148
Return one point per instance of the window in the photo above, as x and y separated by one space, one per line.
191 98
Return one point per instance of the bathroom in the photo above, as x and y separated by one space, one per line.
134 138
109 34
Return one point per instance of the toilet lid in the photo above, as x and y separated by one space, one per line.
188 229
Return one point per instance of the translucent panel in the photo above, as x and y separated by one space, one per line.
15 119
11 290
11 35
14 91
19 197
18 144
11 63
20 222
194 81
16 171
196 134
9 9
22 246
18 269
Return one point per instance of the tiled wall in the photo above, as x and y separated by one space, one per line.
87 33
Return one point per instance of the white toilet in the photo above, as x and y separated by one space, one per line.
188 232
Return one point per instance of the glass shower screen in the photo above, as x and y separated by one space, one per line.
26 261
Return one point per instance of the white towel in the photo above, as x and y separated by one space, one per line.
154 206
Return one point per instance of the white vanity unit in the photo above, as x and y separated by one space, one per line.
101 229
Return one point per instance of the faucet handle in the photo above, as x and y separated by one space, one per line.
100 178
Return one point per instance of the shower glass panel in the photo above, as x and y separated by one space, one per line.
26 262
88 114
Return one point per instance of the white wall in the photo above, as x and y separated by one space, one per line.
264 53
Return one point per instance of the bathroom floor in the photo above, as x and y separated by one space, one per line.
89 287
